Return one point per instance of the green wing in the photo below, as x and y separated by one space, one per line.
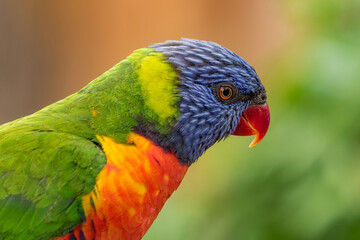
43 176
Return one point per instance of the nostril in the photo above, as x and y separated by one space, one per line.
260 98
263 97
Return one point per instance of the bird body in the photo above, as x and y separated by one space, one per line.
101 163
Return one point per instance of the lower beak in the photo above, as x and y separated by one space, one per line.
255 120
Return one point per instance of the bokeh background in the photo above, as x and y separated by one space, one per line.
301 182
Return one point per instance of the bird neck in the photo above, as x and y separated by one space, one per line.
141 88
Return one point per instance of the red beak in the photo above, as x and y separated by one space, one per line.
255 120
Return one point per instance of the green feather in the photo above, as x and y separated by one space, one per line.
50 159
64 179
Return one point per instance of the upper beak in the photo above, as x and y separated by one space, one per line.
255 120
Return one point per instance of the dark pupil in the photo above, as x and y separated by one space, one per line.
226 92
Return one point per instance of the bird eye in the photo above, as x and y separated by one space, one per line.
225 92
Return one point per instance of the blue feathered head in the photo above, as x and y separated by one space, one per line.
216 89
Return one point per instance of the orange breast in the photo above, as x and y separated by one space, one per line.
130 190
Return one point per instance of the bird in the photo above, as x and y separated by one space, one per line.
101 163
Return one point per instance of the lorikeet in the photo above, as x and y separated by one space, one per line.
101 163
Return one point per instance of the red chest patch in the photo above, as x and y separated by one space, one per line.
130 190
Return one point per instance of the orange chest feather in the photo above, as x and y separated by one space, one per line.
130 190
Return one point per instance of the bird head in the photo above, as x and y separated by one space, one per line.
219 94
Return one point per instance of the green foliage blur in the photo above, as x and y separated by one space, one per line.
303 180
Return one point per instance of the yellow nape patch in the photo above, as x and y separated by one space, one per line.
159 80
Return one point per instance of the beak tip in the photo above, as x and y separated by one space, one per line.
255 141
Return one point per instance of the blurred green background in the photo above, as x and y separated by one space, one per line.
301 182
